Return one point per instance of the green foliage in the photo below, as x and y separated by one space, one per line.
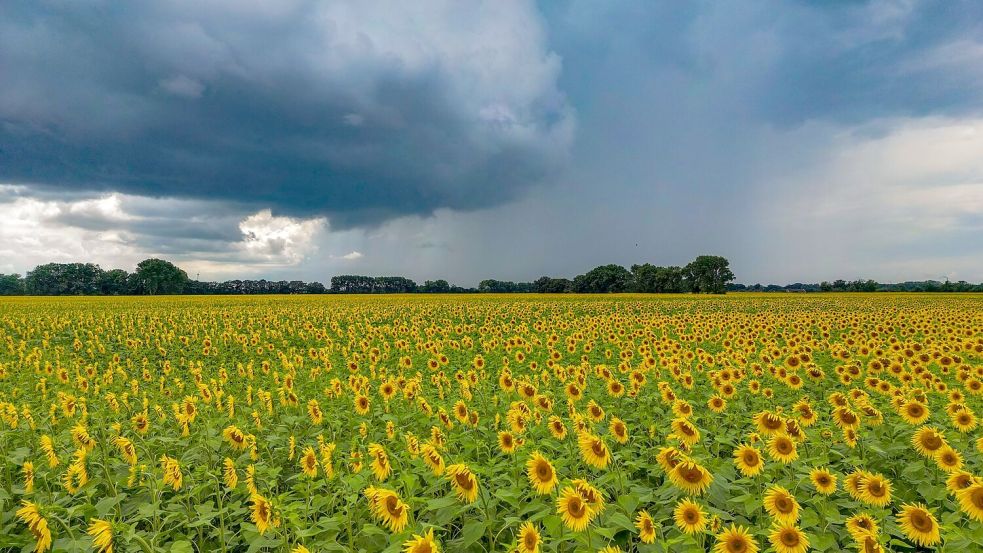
157 276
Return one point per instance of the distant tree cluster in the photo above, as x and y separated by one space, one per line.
861 285
707 274
151 277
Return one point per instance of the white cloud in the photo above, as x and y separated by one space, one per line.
32 233
279 240
119 230
901 198
353 255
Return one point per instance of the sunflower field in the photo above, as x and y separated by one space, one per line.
511 423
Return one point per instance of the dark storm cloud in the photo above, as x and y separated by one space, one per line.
308 107
779 62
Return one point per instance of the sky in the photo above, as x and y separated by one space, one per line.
300 139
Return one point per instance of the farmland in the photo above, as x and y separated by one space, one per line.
480 423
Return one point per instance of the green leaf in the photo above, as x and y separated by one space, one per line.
472 532
440 503
619 520
182 546
108 504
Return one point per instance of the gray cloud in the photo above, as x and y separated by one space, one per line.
360 111
803 140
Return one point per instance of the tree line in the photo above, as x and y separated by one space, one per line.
705 274
861 285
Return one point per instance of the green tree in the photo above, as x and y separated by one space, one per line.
440 286
11 285
64 279
708 274
156 276
603 279
114 282
649 279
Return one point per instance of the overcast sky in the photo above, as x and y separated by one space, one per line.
803 140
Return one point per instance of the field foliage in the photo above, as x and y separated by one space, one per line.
492 423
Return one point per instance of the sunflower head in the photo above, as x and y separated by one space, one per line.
919 525
528 539
735 539
542 475
690 517
573 510
788 539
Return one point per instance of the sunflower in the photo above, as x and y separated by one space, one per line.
300 549
876 490
788 539
461 411
928 441
748 460
593 497
172 472
308 462
126 449
971 500
868 544
27 470
736 539
768 423
422 544
48 447
37 524
861 525
389 508
381 468
529 539
229 474
432 458
964 420
844 417
261 512
81 437
362 404
691 477
542 475
914 412
823 480
717 404
919 525
853 482
948 459
236 438
464 481
668 458
782 448
689 517
685 431
781 505
574 511
101 532
507 442
594 451
557 428
619 430
594 411
958 480
141 423
646 527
